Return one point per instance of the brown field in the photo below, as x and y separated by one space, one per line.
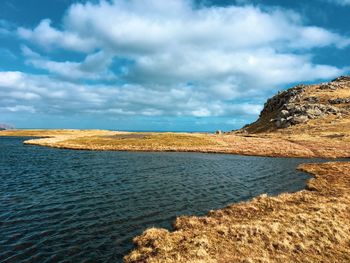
314 141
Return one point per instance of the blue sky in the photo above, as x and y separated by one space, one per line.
177 65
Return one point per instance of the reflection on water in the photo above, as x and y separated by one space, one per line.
62 205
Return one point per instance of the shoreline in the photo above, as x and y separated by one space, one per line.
186 151
309 225
267 145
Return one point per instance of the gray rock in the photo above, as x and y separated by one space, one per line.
327 87
283 98
339 101
314 113
284 113
312 99
279 124
292 106
299 119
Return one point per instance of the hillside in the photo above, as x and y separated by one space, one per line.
307 109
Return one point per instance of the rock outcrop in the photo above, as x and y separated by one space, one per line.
303 103
296 113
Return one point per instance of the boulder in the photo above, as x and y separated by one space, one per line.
284 113
314 113
299 119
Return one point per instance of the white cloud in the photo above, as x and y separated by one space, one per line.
174 42
50 37
95 66
311 35
185 60
149 26
49 95
237 71
10 78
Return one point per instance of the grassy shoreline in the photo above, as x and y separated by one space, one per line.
312 225
269 144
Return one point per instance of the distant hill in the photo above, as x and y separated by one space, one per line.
317 108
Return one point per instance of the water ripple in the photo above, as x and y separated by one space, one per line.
68 206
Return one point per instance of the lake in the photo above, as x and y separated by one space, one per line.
73 206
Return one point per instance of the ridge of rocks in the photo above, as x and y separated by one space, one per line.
303 103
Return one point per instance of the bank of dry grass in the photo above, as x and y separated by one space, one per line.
330 145
144 142
312 225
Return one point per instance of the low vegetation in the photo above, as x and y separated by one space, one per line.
312 225
328 144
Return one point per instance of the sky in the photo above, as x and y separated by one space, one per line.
155 65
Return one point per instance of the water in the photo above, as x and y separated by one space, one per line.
73 206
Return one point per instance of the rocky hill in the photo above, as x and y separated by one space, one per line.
305 105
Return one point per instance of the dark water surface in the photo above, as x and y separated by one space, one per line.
74 206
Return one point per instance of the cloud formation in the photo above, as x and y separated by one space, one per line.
42 94
152 26
94 67
163 58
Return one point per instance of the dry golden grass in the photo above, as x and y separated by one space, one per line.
325 95
335 143
144 142
312 225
